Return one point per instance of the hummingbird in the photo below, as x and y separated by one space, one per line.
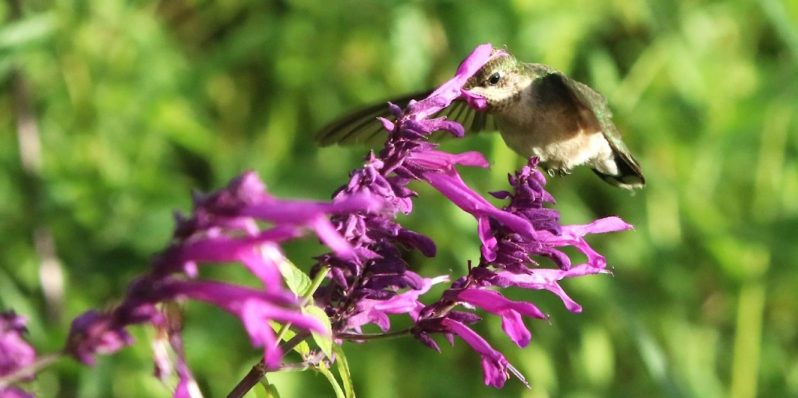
537 110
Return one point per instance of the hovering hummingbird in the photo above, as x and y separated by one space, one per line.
538 111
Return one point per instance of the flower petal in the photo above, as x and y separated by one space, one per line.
494 364
509 310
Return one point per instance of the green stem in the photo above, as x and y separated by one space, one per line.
258 371
306 297
748 340
317 280
255 374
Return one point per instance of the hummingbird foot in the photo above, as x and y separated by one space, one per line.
556 172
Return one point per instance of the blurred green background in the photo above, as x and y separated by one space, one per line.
133 104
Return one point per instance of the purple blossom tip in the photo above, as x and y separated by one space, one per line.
255 309
377 310
600 226
15 353
95 333
546 279
481 55
13 392
475 101
494 364
510 311
475 60
396 111
452 89
386 124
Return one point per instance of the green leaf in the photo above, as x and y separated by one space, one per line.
271 391
323 369
302 348
324 341
343 371
27 31
296 279
267 390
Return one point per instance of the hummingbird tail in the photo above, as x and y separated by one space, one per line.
627 173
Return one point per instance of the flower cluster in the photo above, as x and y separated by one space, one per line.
239 224
15 353
377 283
508 261
369 279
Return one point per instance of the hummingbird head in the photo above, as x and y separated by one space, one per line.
500 82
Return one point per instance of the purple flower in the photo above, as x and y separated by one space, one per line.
544 279
255 309
239 224
512 250
376 311
15 353
169 357
13 392
509 310
369 279
512 237
453 89
376 282
510 244
495 366
94 333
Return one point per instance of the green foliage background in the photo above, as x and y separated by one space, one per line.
139 102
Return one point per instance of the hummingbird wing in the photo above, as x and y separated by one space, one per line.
362 126
594 111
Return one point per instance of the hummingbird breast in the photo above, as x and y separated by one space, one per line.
552 130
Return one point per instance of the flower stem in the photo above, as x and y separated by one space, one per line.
317 280
259 370
255 374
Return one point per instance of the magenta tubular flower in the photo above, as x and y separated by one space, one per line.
508 261
376 282
239 224
255 309
510 311
494 365
376 311
369 279
15 353
363 288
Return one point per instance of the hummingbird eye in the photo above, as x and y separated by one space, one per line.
494 78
